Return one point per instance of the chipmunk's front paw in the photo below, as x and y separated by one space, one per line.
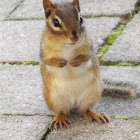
60 62
60 122
75 62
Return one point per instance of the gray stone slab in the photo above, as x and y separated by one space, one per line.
123 76
6 7
20 40
34 9
82 129
23 127
29 9
21 92
107 7
127 46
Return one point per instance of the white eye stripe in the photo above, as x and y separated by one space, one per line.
79 16
51 23
56 17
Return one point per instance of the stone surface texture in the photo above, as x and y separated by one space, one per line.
88 8
125 76
120 76
126 48
23 127
20 40
82 129
106 7
21 91
7 7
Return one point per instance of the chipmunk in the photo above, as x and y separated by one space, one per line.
69 65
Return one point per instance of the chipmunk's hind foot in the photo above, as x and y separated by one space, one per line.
97 117
60 122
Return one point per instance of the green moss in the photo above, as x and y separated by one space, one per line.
114 34
111 38
103 50
119 64
127 118
127 64
27 63
17 63
21 63
40 18
31 63
89 17
16 114
124 21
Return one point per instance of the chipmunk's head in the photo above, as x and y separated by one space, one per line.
64 21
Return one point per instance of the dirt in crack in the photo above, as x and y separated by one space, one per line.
46 134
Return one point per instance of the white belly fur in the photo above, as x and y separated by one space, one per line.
74 87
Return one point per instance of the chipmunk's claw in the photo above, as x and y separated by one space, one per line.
97 117
60 122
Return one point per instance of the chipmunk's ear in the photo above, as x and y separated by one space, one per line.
48 7
76 3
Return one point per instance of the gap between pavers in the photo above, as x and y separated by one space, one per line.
34 9
20 40
21 90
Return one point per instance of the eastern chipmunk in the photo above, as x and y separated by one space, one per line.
68 64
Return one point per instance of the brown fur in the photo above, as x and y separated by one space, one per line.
53 48
76 2
78 60
68 63
57 62
47 81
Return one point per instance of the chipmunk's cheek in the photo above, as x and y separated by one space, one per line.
65 40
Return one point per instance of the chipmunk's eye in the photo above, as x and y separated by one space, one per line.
81 19
56 22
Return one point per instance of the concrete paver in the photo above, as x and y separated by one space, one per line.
29 9
20 91
123 76
20 40
23 127
82 129
106 7
34 9
127 45
6 7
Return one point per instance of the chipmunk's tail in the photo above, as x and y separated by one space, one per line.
118 91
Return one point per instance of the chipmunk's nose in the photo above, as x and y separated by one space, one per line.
74 37
74 33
